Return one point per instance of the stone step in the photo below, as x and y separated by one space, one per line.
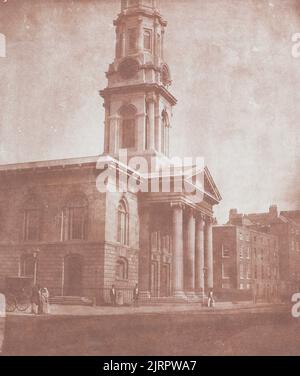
71 300
170 300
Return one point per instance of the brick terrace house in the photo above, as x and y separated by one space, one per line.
59 228
286 227
246 263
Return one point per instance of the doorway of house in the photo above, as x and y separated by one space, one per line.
73 275
154 279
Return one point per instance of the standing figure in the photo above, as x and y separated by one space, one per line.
136 295
45 300
113 295
211 300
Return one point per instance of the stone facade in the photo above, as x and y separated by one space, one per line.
60 227
50 188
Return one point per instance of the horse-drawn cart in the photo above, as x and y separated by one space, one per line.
18 293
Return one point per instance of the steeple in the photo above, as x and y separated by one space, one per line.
141 4
137 99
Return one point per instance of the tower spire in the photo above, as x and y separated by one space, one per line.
137 98
144 4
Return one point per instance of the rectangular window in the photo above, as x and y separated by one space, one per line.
132 39
241 271
148 40
241 236
32 225
241 252
241 286
249 271
225 252
225 271
75 219
155 241
248 252
166 243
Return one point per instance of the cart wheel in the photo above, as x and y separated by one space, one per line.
11 303
23 303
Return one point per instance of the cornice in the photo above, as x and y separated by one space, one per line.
139 87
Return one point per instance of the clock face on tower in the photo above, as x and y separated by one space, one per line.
128 68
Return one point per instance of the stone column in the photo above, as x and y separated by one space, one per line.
106 128
114 126
189 272
140 132
199 255
151 114
140 35
209 252
123 52
177 245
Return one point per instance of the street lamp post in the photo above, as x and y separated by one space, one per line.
35 256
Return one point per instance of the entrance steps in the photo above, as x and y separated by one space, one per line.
171 300
71 300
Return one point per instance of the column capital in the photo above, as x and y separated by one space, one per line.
200 216
151 98
190 211
179 205
209 220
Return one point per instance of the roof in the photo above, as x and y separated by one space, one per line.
49 164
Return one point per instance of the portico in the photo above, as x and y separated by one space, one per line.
192 251
187 263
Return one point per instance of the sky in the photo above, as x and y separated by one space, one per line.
234 75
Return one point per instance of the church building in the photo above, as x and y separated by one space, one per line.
60 227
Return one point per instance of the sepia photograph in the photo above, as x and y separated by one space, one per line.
149 180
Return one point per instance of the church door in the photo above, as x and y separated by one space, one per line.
165 280
154 279
73 275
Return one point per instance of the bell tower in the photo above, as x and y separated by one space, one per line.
137 100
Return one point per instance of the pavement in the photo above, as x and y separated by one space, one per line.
162 330
164 308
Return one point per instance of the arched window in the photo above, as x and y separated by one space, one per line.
27 265
128 121
32 219
123 223
75 218
122 268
